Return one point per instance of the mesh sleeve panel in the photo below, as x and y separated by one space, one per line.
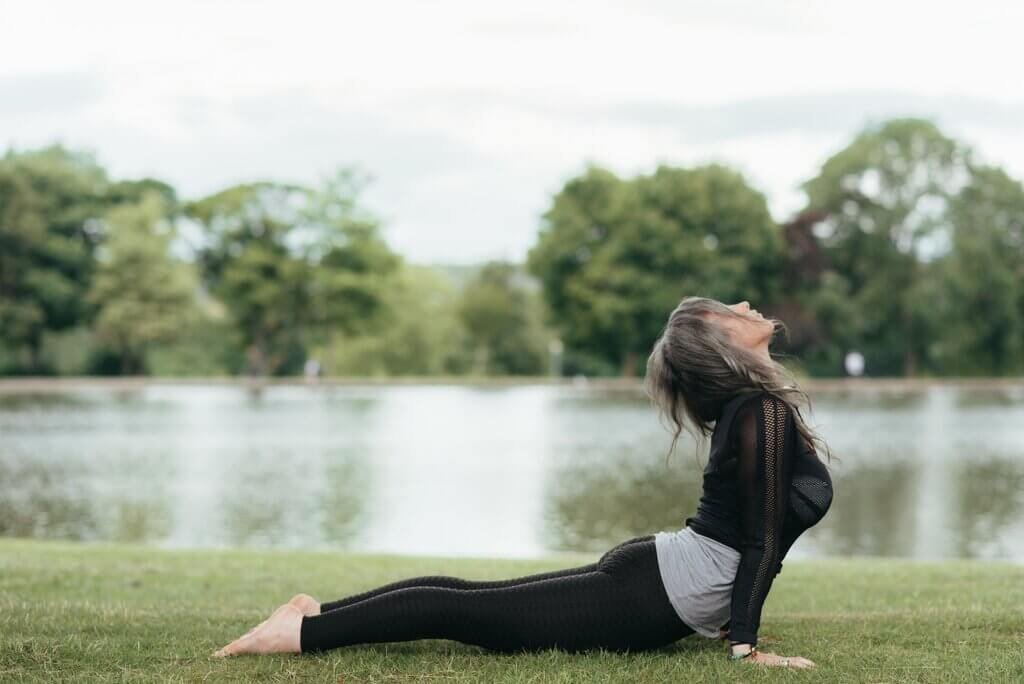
762 432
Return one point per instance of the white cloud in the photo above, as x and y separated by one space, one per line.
469 115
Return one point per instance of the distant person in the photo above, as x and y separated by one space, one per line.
311 369
763 486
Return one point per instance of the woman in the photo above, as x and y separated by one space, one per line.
763 486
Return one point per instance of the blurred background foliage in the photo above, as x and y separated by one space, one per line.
908 251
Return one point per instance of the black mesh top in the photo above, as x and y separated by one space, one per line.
760 493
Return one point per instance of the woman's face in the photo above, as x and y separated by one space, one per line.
752 331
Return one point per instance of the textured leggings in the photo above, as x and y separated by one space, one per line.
617 603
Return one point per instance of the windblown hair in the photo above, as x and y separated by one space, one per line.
695 369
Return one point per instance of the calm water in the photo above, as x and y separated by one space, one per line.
515 471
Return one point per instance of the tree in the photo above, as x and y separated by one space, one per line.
51 201
886 198
417 332
615 257
143 295
353 267
292 264
502 322
982 280
817 309
23 280
246 261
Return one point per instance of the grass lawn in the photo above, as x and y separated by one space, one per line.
124 613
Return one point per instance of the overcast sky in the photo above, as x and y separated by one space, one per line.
469 115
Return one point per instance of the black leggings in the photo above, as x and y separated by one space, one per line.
618 603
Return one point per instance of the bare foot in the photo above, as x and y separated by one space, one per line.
280 633
306 603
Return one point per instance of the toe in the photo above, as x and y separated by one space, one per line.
223 651
239 645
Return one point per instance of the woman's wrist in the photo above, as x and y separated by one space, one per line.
743 652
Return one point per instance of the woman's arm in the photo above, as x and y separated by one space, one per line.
764 430
761 429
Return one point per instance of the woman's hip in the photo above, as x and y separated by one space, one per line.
633 569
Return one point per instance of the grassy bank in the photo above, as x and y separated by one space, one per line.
119 613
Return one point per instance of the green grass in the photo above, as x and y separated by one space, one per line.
123 613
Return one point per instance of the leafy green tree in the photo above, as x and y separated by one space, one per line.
816 306
981 291
503 322
292 264
886 200
134 191
247 262
417 332
51 201
352 266
143 295
615 256
23 280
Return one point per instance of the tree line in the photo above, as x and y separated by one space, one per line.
909 250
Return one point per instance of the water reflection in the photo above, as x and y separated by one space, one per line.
989 397
197 466
513 471
29 400
317 502
990 507
594 505
872 513
47 499
38 501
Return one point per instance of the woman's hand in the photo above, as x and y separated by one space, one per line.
763 658
723 634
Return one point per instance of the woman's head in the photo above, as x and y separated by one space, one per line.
707 354
748 329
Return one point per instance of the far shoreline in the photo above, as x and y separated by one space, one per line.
44 384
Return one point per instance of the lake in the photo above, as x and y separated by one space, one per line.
462 469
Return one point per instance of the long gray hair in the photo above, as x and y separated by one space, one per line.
695 369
